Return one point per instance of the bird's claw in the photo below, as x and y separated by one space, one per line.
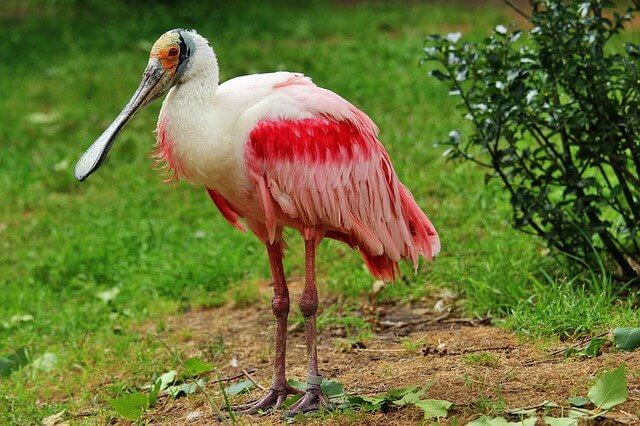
312 400
271 401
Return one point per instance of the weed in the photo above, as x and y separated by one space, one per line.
489 406
481 358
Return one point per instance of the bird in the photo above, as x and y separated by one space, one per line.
276 151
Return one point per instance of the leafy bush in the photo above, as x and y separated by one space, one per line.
556 117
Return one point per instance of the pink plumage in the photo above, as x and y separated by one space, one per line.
332 177
277 151
164 155
325 174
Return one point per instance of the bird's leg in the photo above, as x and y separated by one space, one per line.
280 306
313 399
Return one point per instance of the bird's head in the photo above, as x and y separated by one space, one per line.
175 57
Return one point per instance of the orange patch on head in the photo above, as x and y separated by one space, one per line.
167 50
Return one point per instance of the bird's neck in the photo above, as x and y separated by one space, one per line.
201 87
180 129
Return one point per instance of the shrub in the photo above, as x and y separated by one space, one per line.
555 115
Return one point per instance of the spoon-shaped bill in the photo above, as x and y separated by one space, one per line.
151 87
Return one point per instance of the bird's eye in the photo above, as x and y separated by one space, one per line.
173 51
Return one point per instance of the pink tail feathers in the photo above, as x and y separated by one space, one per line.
425 238
425 241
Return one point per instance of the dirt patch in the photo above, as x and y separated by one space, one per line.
412 345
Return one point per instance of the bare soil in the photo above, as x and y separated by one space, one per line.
412 345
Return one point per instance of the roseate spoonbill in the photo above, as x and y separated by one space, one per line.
277 151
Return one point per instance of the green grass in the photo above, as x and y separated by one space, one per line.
164 247
481 358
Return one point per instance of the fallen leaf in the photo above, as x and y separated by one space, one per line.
560 421
610 389
434 408
167 378
626 338
56 419
578 401
130 407
501 421
185 389
331 388
411 397
239 387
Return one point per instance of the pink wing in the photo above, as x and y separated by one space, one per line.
330 174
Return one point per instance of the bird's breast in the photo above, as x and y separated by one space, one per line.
201 147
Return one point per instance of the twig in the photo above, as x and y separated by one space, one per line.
378 350
530 407
248 375
361 349
428 321
559 351
84 414
631 416
471 350
470 321
237 376
516 9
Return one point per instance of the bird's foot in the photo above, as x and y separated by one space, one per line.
271 401
312 400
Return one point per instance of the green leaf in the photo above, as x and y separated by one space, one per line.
434 408
594 346
14 361
196 366
591 350
626 338
297 384
367 403
288 403
578 401
560 421
411 397
398 393
239 387
610 389
185 388
130 407
331 388
501 421
575 413
167 378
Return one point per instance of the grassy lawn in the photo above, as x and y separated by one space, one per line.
83 265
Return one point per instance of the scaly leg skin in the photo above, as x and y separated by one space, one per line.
313 399
280 304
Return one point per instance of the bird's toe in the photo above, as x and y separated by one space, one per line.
273 400
312 400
